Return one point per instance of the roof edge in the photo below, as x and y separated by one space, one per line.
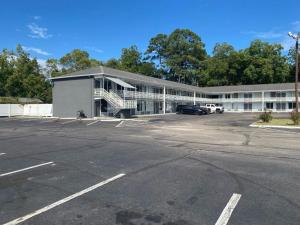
73 76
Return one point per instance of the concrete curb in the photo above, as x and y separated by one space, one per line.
153 115
273 126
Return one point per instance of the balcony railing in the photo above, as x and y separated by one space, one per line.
134 95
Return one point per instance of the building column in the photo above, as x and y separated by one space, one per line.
164 102
262 101
194 98
100 107
124 90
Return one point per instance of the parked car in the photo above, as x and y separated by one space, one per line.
219 108
179 108
191 109
212 108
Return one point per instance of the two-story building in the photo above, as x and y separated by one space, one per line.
103 91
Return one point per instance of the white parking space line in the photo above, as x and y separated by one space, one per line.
227 211
27 168
64 200
91 123
120 124
71 121
2 153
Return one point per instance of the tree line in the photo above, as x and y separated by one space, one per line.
180 56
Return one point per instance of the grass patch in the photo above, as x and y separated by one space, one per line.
278 122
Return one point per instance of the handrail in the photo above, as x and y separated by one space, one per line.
114 99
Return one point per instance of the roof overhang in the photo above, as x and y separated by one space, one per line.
120 82
74 76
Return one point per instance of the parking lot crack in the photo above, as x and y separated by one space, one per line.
238 177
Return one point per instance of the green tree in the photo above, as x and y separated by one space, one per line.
52 68
24 77
113 63
77 60
292 63
130 59
6 69
266 63
15 87
157 48
180 54
222 50
42 88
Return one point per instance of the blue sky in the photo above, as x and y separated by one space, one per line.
50 29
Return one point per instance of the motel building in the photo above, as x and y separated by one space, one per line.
102 91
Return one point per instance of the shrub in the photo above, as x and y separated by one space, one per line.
295 117
266 116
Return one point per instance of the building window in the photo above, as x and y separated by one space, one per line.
247 106
248 95
269 105
280 106
227 96
139 106
235 95
273 94
292 105
160 105
280 94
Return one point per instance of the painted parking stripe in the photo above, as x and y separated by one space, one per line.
91 123
227 211
2 153
71 121
64 200
27 168
120 124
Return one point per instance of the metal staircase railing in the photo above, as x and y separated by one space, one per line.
114 99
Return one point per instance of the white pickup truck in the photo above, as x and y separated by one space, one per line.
212 108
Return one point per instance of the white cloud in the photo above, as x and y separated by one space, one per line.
279 36
36 50
38 32
37 17
287 43
94 49
42 63
265 35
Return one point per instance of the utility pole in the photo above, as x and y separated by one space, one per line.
296 74
296 38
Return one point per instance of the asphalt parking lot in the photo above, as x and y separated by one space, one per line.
165 170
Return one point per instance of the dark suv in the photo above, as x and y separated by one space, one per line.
191 109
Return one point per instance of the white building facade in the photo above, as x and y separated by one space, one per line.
114 91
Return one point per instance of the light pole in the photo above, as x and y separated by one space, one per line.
296 38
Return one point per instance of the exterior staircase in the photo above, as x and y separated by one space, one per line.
117 103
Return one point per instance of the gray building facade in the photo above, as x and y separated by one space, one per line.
73 94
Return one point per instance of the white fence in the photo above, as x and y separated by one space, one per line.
26 110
